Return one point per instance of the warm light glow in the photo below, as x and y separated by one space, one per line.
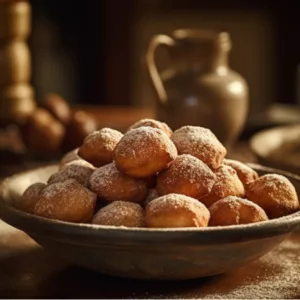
222 71
235 87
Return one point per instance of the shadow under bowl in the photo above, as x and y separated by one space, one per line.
144 253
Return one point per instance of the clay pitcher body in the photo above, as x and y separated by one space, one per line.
199 88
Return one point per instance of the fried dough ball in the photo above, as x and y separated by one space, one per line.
98 147
227 184
79 170
152 194
144 151
66 201
245 173
111 185
201 143
30 196
186 175
58 107
69 156
81 124
275 194
153 123
234 210
120 213
175 210
42 133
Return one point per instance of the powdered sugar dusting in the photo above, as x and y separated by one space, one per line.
67 201
79 170
227 184
233 210
120 213
175 201
231 201
112 185
274 276
153 123
145 143
275 194
245 173
201 143
106 138
186 170
274 181
104 176
183 207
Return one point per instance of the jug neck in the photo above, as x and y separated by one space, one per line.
203 50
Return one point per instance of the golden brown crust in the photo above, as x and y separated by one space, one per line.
30 196
98 146
153 123
227 184
245 173
144 151
234 210
186 175
112 185
120 213
201 143
174 210
66 201
79 170
275 194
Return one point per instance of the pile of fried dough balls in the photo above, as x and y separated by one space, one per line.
154 177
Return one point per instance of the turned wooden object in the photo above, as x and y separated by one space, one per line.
16 92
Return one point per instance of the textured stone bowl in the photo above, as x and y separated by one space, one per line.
175 254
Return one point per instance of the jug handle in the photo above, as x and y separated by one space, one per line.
156 41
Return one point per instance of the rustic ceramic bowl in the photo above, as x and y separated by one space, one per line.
175 254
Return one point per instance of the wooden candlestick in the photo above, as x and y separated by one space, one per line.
16 92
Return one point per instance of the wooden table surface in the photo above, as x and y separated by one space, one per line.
28 271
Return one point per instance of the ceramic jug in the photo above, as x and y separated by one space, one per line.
199 88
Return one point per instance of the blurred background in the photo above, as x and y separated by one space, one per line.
92 52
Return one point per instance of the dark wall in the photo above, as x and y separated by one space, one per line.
96 34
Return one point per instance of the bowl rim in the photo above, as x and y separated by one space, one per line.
33 224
